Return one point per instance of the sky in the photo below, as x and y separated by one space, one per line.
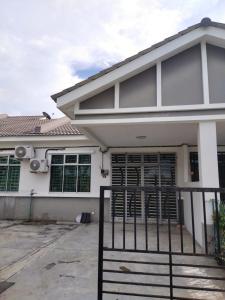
49 45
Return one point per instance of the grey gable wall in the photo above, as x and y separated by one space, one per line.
181 82
182 78
139 90
216 72
104 99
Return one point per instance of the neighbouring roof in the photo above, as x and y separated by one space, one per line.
35 126
205 22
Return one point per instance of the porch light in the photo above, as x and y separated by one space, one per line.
141 137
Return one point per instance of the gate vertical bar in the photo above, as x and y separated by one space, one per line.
113 219
193 223
135 223
124 217
205 223
217 224
147 199
181 223
170 249
157 218
100 246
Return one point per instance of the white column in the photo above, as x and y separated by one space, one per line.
207 154
205 78
209 176
117 96
159 84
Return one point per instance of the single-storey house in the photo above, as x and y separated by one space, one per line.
48 169
156 118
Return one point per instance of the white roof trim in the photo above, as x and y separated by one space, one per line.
133 121
43 138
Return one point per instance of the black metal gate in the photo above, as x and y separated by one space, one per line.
157 261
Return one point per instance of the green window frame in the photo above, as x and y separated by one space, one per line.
70 173
9 173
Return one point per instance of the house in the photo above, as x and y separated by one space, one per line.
28 190
156 118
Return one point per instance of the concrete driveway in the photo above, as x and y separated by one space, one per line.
60 262
49 261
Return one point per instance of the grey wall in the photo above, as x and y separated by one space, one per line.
50 208
102 100
14 207
182 78
216 71
139 90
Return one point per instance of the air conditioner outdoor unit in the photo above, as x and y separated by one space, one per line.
24 152
38 165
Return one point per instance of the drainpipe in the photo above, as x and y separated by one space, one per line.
32 193
104 172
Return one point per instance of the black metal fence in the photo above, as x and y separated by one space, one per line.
176 255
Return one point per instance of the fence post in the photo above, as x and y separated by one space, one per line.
100 245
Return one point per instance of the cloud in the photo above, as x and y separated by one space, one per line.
48 45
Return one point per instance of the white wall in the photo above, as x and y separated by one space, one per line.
40 182
185 181
198 204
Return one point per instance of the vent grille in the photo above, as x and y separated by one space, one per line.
118 179
118 159
150 158
151 177
168 171
147 170
134 198
133 158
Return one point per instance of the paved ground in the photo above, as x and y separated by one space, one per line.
60 262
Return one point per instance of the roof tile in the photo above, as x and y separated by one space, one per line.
31 126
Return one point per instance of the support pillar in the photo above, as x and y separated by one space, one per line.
209 176
207 154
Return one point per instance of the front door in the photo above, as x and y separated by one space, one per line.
147 169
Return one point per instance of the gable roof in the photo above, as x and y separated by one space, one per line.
205 22
35 126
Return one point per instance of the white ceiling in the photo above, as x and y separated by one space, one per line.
156 134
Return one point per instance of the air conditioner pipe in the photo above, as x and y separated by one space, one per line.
32 193
53 149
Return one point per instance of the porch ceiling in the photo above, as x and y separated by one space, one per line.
153 134
166 134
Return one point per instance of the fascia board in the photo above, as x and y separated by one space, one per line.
42 138
150 120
